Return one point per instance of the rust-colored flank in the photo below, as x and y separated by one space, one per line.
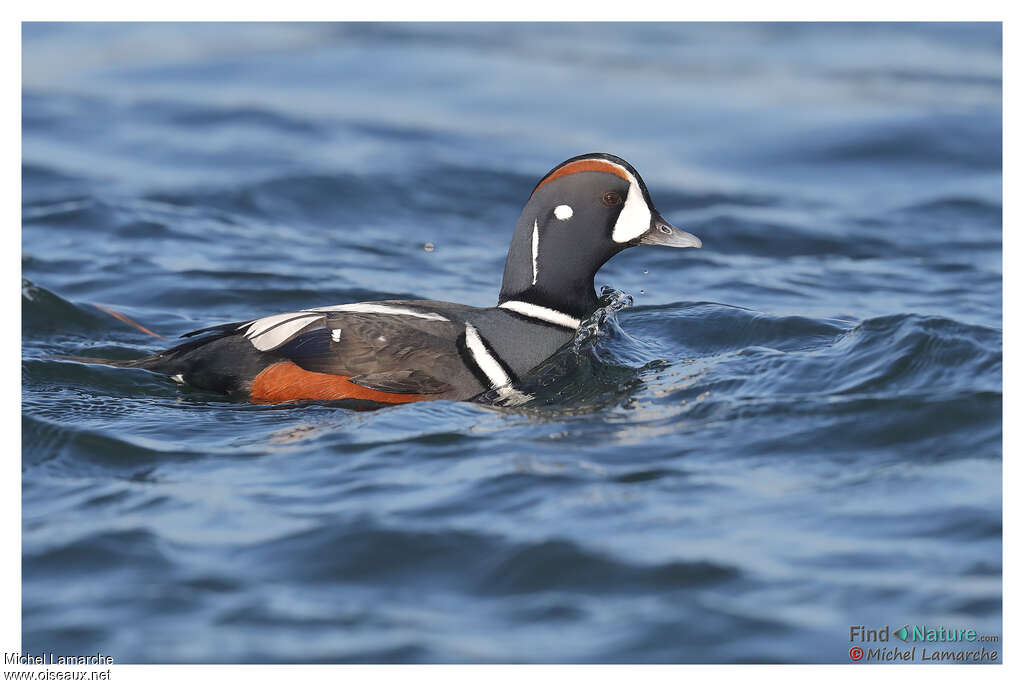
286 381
582 166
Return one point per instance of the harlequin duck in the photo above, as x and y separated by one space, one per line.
582 213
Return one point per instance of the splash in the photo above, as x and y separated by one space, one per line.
604 322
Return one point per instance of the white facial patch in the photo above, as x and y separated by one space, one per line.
635 217
563 213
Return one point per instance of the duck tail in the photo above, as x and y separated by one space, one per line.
127 320
152 362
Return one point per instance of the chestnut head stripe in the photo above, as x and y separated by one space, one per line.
586 165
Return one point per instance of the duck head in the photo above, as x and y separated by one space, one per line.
581 214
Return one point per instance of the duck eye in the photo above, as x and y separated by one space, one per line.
611 198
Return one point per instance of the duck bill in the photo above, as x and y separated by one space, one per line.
663 233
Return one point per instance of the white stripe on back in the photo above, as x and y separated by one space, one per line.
263 324
270 332
374 308
267 333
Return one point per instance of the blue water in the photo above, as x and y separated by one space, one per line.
793 430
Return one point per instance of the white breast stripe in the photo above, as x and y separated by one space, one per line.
635 217
488 365
536 246
543 313
374 308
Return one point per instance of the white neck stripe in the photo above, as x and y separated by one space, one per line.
536 248
488 365
545 314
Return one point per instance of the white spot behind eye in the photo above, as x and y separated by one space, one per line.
563 213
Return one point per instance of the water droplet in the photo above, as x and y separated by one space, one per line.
643 291
645 271
428 247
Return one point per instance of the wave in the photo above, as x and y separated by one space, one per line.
894 352
365 550
948 139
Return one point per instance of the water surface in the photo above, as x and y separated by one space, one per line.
791 431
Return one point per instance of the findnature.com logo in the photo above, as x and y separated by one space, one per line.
918 633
